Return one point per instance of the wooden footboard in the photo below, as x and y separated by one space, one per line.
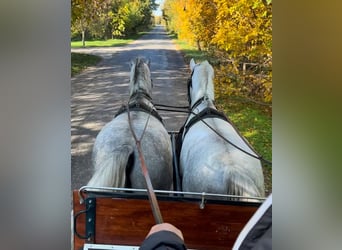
126 220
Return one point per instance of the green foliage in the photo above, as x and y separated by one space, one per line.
103 19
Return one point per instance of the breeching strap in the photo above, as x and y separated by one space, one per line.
150 192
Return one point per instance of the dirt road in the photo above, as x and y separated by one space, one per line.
98 92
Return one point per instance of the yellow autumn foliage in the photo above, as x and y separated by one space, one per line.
238 33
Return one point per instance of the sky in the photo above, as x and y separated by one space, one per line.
158 12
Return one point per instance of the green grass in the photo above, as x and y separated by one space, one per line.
190 51
107 43
80 61
252 121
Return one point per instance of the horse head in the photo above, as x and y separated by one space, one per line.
140 77
201 82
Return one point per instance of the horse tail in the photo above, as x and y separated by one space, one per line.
241 184
110 169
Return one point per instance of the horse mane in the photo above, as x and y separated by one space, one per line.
209 87
206 76
140 77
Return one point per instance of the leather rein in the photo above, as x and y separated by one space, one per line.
140 105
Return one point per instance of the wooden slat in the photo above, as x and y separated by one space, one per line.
127 221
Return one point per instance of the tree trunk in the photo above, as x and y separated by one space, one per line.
83 38
199 45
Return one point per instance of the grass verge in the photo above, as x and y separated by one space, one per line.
107 43
80 61
190 51
252 120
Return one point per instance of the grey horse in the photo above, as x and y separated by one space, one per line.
208 163
115 155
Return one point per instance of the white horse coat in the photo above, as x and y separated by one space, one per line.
207 162
115 156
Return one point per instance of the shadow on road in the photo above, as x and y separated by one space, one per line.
98 92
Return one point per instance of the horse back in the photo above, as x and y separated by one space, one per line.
155 145
209 164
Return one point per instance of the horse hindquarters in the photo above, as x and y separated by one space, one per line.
157 153
110 168
245 184
216 169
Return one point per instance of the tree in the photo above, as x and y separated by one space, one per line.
237 32
110 17
244 32
85 12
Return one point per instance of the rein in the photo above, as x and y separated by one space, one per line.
257 156
151 195
213 113
209 113
205 113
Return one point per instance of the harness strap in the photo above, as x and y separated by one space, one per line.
140 106
198 102
150 192
205 113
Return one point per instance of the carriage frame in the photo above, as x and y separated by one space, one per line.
120 218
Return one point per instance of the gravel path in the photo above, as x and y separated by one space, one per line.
99 91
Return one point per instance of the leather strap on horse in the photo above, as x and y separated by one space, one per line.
140 106
150 192
205 113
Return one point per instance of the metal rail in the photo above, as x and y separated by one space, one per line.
202 196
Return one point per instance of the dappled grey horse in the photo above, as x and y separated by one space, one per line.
214 158
115 155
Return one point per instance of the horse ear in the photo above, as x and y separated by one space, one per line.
192 64
148 62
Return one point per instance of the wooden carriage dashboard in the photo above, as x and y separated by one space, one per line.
124 219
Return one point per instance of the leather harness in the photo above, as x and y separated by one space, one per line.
205 113
137 103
